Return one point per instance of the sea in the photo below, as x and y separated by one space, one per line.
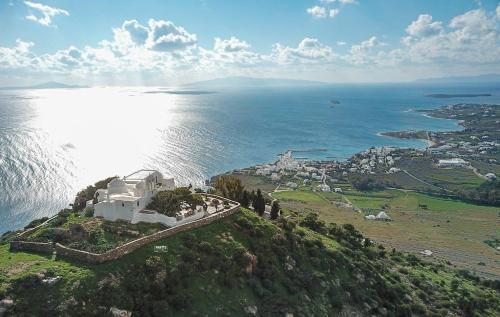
54 142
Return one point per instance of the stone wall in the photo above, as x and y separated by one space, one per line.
122 250
26 233
41 247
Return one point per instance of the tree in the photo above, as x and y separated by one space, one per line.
365 183
194 200
230 187
165 202
245 199
88 194
216 203
169 202
275 210
259 204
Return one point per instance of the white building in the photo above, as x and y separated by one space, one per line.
292 185
454 162
126 198
490 176
275 177
324 188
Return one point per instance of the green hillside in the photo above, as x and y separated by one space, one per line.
246 265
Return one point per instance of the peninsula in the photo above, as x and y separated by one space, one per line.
457 95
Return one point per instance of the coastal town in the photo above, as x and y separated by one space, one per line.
426 189
475 148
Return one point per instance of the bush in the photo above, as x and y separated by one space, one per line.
366 183
168 202
36 222
88 193
311 221
89 212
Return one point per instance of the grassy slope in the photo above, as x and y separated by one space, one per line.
203 271
455 231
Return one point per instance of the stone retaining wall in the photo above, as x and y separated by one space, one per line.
41 247
26 233
122 250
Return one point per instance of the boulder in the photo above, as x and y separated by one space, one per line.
6 302
51 280
251 310
115 312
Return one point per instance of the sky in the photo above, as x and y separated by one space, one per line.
161 43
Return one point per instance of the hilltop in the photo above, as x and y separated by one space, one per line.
245 265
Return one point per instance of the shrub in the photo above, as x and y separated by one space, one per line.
311 221
168 202
89 212
36 222
88 193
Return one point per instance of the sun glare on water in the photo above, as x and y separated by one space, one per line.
98 132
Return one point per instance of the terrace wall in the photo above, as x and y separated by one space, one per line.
40 247
131 246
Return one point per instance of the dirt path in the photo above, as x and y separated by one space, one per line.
424 182
475 170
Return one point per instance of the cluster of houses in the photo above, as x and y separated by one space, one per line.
302 171
473 148
374 159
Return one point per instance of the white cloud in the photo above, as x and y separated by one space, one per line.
44 12
334 12
362 53
424 27
138 33
322 12
162 50
474 37
229 52
309 50
165 36
231 45
16 57
317 11
340 1
498 11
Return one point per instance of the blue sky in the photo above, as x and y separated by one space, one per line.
180 41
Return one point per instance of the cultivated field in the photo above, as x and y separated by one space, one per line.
454 231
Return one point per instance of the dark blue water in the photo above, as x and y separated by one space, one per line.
54 142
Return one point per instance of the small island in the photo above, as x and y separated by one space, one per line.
457 95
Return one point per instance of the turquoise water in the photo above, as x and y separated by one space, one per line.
55 142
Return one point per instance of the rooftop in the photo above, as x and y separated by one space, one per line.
140 174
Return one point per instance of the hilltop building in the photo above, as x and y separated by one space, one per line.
126 198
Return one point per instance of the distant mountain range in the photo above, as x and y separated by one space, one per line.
480 79
253 82
47 85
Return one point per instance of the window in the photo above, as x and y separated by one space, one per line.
137 203
123 205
